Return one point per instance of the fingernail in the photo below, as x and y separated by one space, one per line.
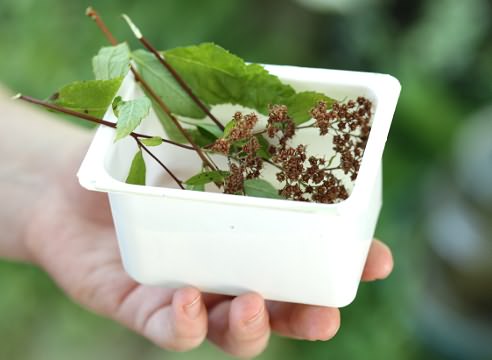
256 318
193 308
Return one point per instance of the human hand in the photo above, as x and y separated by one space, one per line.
71 236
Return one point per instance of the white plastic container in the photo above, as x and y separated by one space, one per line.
285 250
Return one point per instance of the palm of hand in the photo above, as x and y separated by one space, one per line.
72 237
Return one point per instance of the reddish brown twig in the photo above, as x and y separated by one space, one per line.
173 72
90 12
91 118
143 147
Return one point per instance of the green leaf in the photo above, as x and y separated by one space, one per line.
136 176
117 100
263 89
300 105
111 62
215 75
172 131
260 188
165 86
207 177
210 129
91 97
228 128
153 141
218 77
201 138
130 115
236 147
263 150
203 133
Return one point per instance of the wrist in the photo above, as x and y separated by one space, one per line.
34 147
46 214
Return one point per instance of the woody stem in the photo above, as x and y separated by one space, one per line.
91 118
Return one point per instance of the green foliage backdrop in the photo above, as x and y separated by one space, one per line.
440 50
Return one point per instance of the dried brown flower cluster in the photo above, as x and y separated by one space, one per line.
311 181
234 182
241 129
240 145
279 121
303 177
249 166
350 124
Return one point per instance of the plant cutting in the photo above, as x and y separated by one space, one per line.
199 118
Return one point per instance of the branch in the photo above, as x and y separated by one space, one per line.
173 72
90 12
142 146
90 118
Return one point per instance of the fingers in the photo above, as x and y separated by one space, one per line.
300 321
175 321
379 263
211 300
240 326
180 326
322 323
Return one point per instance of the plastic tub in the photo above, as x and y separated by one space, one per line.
285 250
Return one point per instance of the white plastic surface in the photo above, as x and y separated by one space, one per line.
285 250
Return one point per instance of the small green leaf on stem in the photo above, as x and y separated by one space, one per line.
211 130
204 133
172 131
300 105
137 173
117 100
200 138
130 115
263 150
228 128
260 188
111 62
206 177
92 97
153 141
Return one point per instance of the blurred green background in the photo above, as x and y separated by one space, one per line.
437 166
